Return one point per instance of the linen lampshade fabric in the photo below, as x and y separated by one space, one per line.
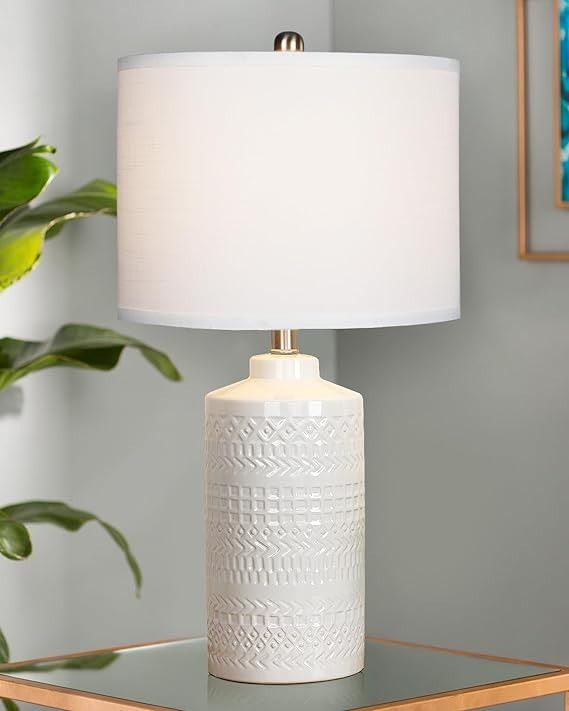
288 190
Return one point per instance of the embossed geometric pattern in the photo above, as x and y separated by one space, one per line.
285 542
285 535
267 634
283 447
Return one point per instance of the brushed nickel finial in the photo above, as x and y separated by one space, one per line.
289 41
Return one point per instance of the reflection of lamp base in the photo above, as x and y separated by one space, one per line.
339 694
285 525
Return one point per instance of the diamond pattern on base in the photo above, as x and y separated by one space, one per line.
266 634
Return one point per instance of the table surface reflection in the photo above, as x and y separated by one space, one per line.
174 675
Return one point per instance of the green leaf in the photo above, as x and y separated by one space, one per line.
4 649
33 146
95 198
10 705
24 174
22 238
76 346
15 542
60 514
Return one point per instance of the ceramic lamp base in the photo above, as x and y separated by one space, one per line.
285 525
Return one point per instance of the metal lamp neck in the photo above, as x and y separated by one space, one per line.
284 342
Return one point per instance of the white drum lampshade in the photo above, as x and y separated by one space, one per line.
282 191
288 190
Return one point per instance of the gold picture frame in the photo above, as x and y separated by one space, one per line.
524 248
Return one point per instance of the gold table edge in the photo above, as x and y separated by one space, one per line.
474 697
92 652
464 653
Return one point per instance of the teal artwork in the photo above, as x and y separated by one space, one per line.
564 97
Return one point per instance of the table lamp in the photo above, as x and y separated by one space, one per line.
280 191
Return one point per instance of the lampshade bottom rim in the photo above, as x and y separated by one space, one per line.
286 321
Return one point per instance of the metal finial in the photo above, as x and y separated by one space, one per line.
289 42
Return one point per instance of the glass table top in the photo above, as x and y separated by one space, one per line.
174 674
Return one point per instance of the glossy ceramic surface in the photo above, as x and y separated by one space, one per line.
285 525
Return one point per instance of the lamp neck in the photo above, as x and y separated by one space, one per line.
274 366
284 342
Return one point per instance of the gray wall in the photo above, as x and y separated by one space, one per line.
34 415
466 423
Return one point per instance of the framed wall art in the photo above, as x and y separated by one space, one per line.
561 98
560 118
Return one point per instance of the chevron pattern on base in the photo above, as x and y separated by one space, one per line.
283 447
285 535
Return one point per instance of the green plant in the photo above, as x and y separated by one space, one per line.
24 173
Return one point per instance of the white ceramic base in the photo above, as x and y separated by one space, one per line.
285 525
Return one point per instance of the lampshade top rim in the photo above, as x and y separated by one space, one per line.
305 59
